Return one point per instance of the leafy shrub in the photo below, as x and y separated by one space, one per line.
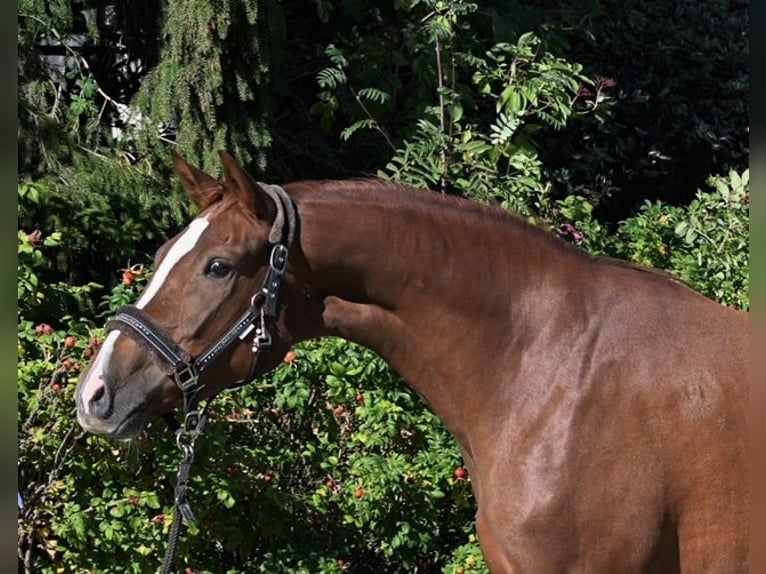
714 229
519 88
706 243
103 208
38 296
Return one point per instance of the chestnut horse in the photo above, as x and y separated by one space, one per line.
600 406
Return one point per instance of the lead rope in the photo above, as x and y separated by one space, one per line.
186 437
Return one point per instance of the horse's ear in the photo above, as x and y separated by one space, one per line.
247 189
202 189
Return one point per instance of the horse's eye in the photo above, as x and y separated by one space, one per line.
218 268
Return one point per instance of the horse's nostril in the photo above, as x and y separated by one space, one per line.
98 394
100 403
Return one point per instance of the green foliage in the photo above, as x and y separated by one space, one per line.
715 230
104 208
649 237
706 243
215 60
57 110
478 139
467 559
493 161
525 83
37 296
334 78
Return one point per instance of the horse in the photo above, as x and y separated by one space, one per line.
600 406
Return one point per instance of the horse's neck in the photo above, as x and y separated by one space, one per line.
437 293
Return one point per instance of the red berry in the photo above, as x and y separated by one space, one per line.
159 519
70 342
88 353
359 492
128 277
133 500
67 364
290 357
58 388
94 342
461 473
43 329
359 398
339 411
35 237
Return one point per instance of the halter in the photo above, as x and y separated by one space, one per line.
178 363
185 370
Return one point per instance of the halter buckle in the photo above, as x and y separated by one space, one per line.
186 377
278 260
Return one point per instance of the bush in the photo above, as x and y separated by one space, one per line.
715 229
105 208
490 155
705 244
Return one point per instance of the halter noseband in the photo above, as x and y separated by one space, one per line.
180 365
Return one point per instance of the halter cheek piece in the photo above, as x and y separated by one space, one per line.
185 370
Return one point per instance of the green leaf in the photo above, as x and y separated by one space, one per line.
723 188
374 95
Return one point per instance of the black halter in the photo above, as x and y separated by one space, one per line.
179 364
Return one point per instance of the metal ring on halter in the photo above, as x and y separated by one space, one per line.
254 300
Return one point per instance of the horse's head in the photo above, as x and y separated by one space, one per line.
204 321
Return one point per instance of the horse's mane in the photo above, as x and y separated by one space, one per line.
381 190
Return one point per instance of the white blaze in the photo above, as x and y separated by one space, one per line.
180 248
95 378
